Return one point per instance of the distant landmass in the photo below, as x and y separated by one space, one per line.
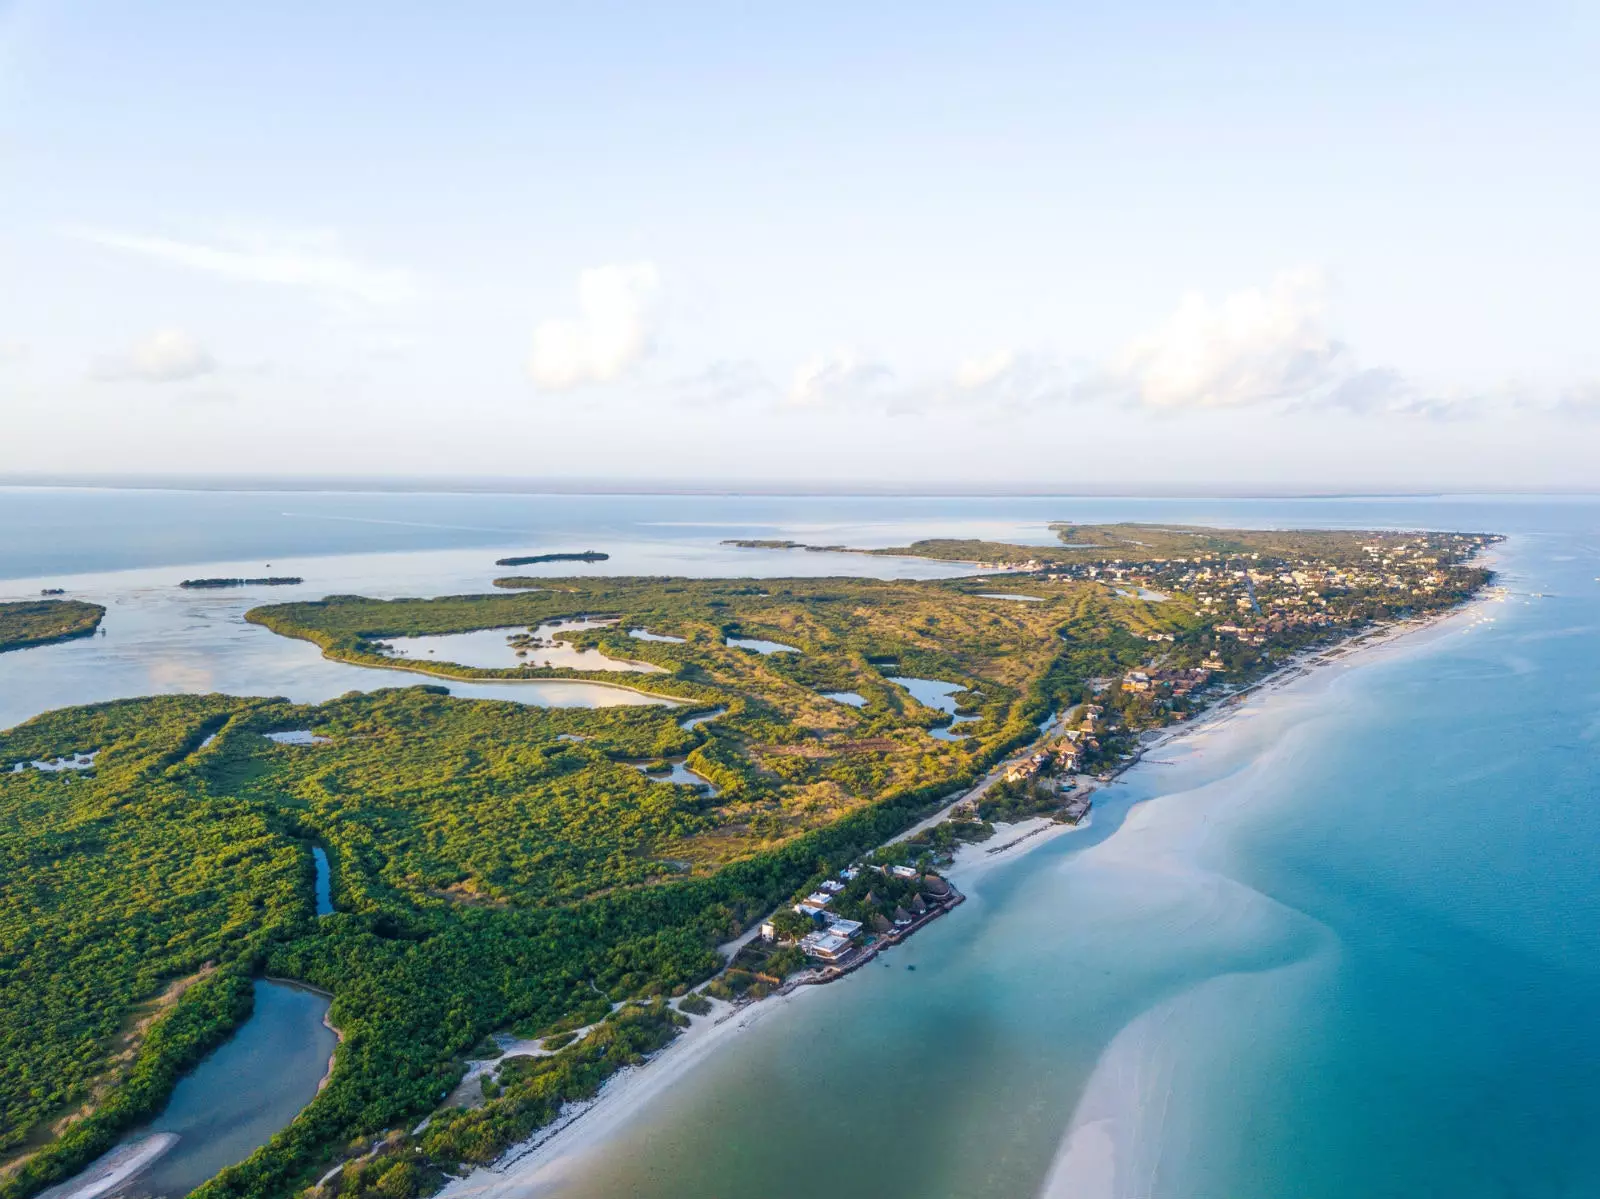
529 559
757 543
273 581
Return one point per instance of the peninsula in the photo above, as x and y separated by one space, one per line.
40 622
503 869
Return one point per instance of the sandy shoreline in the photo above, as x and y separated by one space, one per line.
113 1169
532 1167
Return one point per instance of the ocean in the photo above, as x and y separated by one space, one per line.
1345 942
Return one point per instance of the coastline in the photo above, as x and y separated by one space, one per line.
533 1167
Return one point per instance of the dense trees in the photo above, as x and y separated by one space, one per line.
39 622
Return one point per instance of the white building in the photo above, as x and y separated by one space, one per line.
827 946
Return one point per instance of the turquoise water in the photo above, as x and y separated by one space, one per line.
1346 943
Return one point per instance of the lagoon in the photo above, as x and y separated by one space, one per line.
240 1094
517 646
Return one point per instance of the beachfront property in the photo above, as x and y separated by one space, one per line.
826 946
1026 769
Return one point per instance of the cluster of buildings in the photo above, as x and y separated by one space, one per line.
1297 590
1174 683
835 940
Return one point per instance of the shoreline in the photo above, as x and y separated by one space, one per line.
113 1168
527 1169
661 698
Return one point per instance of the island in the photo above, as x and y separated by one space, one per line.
530 559
749 543
501 869
40 622
270 581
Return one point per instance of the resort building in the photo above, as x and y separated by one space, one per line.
828 946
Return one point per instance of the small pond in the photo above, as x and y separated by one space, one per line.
324 883
1006 595
854 698
297 737
647 635
78 761
937 694
762 647
680 773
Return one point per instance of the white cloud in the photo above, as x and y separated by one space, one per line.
842 377
1255 346
166 356
612 334
314 262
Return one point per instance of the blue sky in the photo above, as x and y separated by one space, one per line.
993 242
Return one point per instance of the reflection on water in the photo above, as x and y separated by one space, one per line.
647 635
853 698
514 646
678 772
762 647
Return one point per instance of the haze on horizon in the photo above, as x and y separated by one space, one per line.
1038 242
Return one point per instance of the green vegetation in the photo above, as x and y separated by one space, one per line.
695 1004
270 581
498 866
39 622
530 559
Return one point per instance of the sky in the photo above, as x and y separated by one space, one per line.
1349 245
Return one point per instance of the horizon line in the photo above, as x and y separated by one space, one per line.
842 488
